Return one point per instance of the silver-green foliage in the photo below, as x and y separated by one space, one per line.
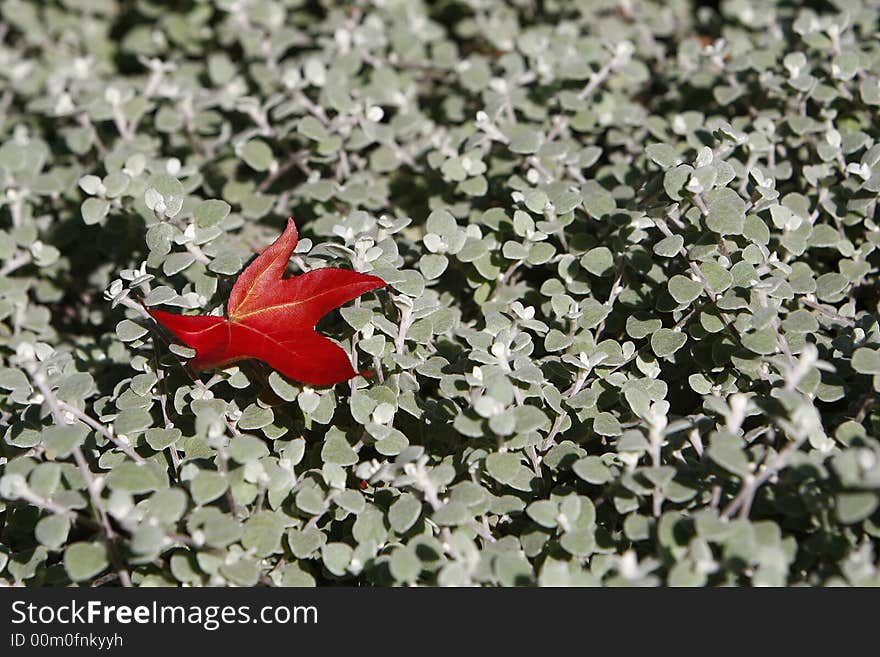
631 330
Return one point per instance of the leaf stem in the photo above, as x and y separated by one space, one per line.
103 521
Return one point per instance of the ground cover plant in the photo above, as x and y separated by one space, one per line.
629 328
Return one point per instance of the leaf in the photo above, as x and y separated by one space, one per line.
244 572
507 469
663 154
853 507
61 440
598 201
404 512
52 531
245 449
684 289
578 542
605 424
207 486
210 213
160 439
592 470
866 361
166 193
523 139
337 450
273 319
336 557
727 212
304 542
255 417
94 209
85 560
666 342
136 478
598 261
730 458
262 534
404 565
669 246
257 154
543 512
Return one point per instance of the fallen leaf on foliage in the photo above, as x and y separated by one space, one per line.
273 319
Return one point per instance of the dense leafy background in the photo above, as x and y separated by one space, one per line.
630 337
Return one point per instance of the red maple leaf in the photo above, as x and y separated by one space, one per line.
273 319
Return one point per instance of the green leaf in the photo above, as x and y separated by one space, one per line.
730 458
598 202
404 512
529 418
310 501
578 542
543 512
160 439
304 543
262 534
210 213
255 417
369 526
404 565
763 341
684 289
726 212
61 440
336 557
169 191
52 531
598 261
136 478
523 139
663 154
800 321
605 424
94 210
243 572
167 506
294 576
115 184
866 361
669 247
337 450
84 560
245 449
257 154
432 265
503 467
207 486
311 128
674 180
854 507
665 342
592 470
